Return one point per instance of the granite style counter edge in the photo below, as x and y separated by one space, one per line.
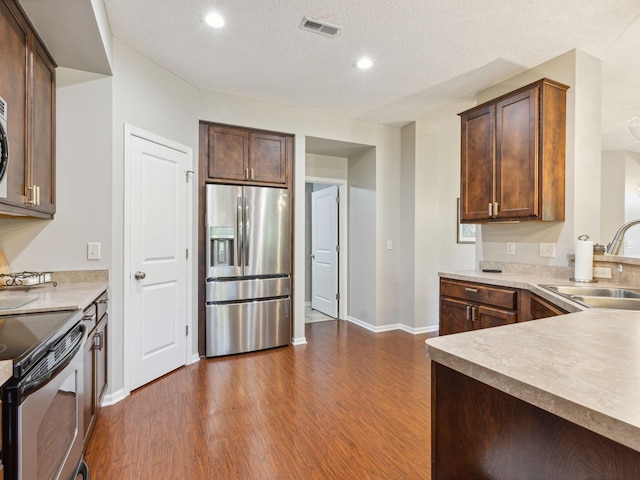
580 366
71 296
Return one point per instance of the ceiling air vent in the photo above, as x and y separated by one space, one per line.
317 26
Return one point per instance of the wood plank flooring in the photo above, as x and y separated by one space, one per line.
350 404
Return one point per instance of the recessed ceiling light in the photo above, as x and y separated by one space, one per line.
364 63
214 20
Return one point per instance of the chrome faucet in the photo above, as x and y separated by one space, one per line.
614 247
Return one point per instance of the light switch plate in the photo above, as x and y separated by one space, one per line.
511 248
93 251
548 250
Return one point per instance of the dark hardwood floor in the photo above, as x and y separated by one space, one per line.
350 404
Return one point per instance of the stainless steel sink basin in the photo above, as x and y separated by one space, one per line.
599 297
609 302
569 290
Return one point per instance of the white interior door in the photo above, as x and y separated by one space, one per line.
157 261
324 248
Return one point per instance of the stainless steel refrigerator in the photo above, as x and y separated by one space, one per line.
248 290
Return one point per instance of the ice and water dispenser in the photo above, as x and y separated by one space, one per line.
221 244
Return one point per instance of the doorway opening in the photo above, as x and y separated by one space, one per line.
351 169
325 248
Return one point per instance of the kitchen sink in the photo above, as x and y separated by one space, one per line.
599 297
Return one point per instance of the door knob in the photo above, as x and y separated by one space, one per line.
140 275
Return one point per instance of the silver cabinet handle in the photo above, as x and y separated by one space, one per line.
246 173
140 275
490 209
495 209
473 314
472 290
468 312
100 344
253 177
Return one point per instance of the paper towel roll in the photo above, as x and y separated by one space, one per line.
584 261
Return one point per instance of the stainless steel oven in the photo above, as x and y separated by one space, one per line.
42 403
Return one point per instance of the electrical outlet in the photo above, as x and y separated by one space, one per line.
511 248
389 245
548 250
602 272
93 251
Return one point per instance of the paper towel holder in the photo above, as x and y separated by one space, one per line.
573 279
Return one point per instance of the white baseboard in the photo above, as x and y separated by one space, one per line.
299 341
395 326
113 398
194 358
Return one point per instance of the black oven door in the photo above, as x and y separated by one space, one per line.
45 419
4 152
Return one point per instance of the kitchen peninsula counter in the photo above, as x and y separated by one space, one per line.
531 383
47 298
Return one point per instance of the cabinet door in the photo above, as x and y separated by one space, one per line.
228 153
42 171
100 351
454 316
477 166
517 172
13 88
541 308
268 158
494 317
88 407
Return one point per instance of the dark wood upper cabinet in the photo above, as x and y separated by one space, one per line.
513 156
248 156
27 83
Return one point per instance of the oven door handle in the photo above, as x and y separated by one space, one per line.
26 389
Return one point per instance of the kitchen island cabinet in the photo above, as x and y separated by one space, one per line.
513 156
466 306
554 398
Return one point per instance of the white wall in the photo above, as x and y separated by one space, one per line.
612 193
324 166
362 239
437 187
582 192
620 196
148 97
83 184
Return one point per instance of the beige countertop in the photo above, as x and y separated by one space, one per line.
583 367
47 298
6 370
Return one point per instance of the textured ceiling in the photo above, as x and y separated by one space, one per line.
430 56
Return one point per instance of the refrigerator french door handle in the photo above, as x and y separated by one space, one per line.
240 227
246 245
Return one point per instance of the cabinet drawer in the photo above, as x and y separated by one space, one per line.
479 293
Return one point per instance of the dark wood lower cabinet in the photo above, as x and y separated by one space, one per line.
479 432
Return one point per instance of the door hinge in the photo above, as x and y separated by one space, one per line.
337 248
188 174
337 199
186 330
338 296
187 256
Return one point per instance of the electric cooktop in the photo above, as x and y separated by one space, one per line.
24 339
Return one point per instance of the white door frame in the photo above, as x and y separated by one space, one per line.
343 238
131 131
